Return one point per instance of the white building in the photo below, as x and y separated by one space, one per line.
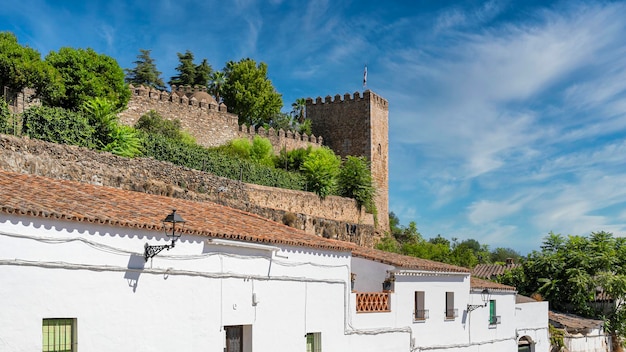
73 277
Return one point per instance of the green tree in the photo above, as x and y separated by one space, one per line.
500 255
291 160
145 72
321 167
299 109
249 93
186 70
355 181
216 85
203 74
570 271
86 75
21 67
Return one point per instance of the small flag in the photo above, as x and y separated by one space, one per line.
365 76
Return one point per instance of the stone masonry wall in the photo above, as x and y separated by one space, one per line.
333 217
211 125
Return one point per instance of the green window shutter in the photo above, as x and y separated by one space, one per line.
492 312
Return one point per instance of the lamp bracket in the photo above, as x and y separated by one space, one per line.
151 251
473 307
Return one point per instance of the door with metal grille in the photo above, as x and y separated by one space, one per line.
234 340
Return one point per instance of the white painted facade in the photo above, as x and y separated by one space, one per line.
182 299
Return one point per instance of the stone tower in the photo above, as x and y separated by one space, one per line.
357 126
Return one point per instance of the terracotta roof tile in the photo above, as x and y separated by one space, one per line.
573 323
61 199
478 284
406 262
70 200
490 271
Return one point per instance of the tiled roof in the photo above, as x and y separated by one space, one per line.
74 201
405 262
573 323
479 284
524 299
489 271
61 199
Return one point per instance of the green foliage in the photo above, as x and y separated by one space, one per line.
22 67
216 85
145 72
125 141
388 244
305 127
153 123
557 342
500 255
321 167
568 271
203 74
190 73
86 75
262 151
292 160
109 134
58 125
219 163
299 109
355 181
186 70
5 117
249 93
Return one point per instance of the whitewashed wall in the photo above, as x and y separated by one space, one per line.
594 341
179 301
532 321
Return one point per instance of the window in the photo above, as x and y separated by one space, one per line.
314 342
493 318
234 338
420 312
451 313
59 335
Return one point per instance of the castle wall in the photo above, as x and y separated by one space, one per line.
332 217
357 125
211 125
207 122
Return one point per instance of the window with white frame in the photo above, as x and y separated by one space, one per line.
59 335
421 313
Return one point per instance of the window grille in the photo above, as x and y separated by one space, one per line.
59 335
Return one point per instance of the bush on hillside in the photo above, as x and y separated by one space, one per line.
58 125
153 123
321 168
355 181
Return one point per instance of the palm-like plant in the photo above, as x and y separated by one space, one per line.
299 109
216 84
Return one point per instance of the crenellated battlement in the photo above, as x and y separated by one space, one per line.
281 139
348 98
183 95
211 125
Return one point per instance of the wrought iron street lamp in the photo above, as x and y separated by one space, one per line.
484 295
173 218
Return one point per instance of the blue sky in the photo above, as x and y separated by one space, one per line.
507 118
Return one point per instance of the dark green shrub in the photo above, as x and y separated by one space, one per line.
153 123
219 163
355 181
291 160
109 135
58 125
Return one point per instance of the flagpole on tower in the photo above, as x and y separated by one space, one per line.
365 77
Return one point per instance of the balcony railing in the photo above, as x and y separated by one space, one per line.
420 314
452 313
371 302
